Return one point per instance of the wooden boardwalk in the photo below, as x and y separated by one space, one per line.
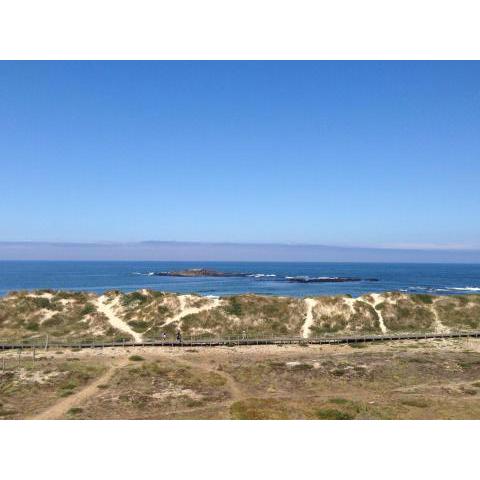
232 341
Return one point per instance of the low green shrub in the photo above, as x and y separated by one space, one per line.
65 393
32 326
422 298
136 358
75 410
332 414
138 325
88 309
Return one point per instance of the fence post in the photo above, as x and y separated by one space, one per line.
34 355
46 343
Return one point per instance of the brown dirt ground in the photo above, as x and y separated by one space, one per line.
397 380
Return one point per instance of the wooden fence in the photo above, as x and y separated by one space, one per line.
49 343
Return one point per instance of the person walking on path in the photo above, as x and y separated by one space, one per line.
179 336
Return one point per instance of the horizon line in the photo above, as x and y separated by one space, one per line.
162 250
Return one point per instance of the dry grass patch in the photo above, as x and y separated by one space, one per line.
32 388
157 389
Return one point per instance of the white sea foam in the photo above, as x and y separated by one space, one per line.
440 289
447 289
466 289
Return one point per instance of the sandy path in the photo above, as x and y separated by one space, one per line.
108 309
59 409
184 310
46 314
309 317
351 303
377 298
438 325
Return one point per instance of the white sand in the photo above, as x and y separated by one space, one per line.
184 310
46 314
309 317
350 302
439 326
108 309
377 298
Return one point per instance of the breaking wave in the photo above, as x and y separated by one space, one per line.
440 289
467 289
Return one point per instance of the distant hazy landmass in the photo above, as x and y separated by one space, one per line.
203 251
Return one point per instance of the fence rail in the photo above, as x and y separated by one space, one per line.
46 343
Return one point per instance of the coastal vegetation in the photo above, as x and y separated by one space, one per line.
256 314
58 314
403 313
148 314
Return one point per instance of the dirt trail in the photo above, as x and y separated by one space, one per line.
108 309
59 409
184 310
235 391
309 318
423 387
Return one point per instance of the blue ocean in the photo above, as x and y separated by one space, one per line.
439 279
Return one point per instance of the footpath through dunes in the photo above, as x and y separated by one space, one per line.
376 300
190 310
147 315
108 307
309 317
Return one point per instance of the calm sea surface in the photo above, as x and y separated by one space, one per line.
440 279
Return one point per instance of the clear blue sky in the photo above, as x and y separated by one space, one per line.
332 153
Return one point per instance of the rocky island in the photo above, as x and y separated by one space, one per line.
205 272
200 272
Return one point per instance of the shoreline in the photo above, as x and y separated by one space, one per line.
462 292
